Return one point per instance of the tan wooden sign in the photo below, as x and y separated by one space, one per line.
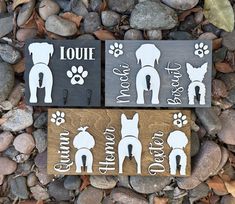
119 142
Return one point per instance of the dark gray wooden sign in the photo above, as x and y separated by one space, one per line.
158 73
63 73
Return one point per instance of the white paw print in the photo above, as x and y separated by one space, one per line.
58 118
77 75
180 120
201 49
116 49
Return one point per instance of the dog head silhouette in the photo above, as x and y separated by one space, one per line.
196 74
41 52
177 139
130 126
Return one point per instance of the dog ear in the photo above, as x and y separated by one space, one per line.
123 118
51 49
31 48
136 118
189 69
204 67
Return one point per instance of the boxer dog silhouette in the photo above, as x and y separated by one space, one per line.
147 79
40 75
129 145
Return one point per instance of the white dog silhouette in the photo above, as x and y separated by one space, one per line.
40 75
147 78
129 146
177 140
196 75
84 142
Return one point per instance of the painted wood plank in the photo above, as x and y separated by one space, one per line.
118 142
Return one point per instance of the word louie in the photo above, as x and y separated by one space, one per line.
82 53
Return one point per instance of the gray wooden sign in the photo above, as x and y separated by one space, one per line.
158 73
63 73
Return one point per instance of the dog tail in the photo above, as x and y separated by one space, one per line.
84 161
148 82
130 147
197 93
40 79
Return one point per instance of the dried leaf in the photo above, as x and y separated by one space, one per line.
217 43
40 24
20 66
72 17
30 23
104 35
231 187
19 2
217 184
220 13
85 182
103 6
158 200
223 67
183 15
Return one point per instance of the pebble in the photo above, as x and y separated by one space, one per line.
5 140
123 181
90 195
180 35
181 4
103 182
41 120
72 182
209 120
7 166
78 7
48 8
231 96
226 134
133 34
25 34
40 137
16 94
60 26
1 179
86 37
41 160
6 25
39 193
32 180
107 200
229 40
220 54
149 184
229 80
207 36
154 34
24 143
219 89
228 199
11 152
18 119
95 5
3 7
224 159
6 80
211 28
43 177
9 54
110 18
56 190
199 192
195 144
19 187
125 195
25 12
188 24
92 22
151 15
63 4
121 6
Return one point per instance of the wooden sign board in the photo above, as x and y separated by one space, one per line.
63 72
119 142
158 73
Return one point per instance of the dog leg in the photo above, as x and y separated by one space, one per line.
183 164
191 95
33 92
48 89
139 88
155 89
172 163
89 163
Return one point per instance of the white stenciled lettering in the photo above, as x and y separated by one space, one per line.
77 53
123 73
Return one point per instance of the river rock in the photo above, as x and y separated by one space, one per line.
86 37
25 12
133 34
195 144
229 40
18 119
92 22
7 166
40 137
154 34
209 120
125 195
3 7
41 120
96 5
226 134
121 6
149 15
78 7
9 54
110 18
223 161
56 190
24 143
26 33
32 180
228 199
16 94
41 160
60 26
149 184
228 79
90 195
43 177
7 79
123 181
5 140
48 8
219 89
199 192
103 182
39 193
19 187
180 35
181 4
6 25
72 182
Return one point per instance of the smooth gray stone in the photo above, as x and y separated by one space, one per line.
19 187
72 182
121 6
9 54
6 25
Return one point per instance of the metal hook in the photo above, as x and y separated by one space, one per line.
65 96
89 93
